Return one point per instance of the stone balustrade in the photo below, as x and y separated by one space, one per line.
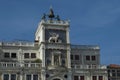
89 67
61 22
17 65
56 46
17 44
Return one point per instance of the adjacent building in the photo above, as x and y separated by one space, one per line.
113 72
85 63
51 56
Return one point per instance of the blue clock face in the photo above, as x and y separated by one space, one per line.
60 34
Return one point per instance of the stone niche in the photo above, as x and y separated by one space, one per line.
55 58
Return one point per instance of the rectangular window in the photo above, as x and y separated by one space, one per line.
35 77
87 58
118 71
118 74
93 58
26 55
113 74
113 71
81 77
6 77
33 55
94 77
13 76
28 77
76 57
6 55
76 78
100 78
71 57
13 55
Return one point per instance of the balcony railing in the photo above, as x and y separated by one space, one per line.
16 43
89 67
85 46
17 65
61 22
56 46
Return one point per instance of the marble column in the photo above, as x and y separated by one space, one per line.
68 58
69 75
43 75
67 36
43 56
43 34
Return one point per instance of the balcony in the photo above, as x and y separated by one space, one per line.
55 22
89 67
85 47
19 43
16 65
56 46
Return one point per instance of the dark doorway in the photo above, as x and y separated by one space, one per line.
56 79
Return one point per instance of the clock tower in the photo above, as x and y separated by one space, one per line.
52 39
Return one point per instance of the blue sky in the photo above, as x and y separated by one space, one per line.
91 22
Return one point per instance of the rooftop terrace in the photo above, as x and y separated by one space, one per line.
17 43
85 46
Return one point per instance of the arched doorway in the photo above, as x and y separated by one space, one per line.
56 79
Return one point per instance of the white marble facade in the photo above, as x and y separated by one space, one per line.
51 56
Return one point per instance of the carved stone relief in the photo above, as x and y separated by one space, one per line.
54 38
